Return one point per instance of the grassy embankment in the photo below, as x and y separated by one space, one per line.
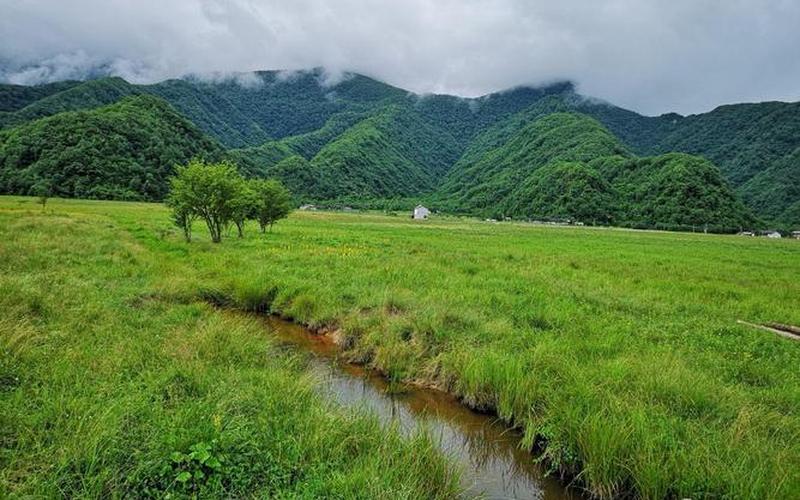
109 390
620 348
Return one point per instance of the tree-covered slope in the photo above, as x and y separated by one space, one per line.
751 144
568 166
774 193
392 153
211 111
563 191
15 97
122 151
285 104
481 182
85 95
464 118
673 190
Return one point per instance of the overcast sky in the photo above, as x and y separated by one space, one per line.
652 56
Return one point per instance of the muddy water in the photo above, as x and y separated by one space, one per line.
492 462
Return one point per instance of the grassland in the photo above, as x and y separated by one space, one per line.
108 389
618 351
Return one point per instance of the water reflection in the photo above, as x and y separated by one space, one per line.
493 464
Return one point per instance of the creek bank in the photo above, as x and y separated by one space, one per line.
487 449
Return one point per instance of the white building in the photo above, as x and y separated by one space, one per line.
773 234
421 212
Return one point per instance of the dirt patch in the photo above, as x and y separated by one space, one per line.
786 331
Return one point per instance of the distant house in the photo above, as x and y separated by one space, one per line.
772 234
420 212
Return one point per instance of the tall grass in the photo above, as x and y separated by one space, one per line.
115 381
617 350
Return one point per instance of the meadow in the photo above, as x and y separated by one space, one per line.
617 352
108 389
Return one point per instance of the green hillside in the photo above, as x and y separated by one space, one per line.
674 190
86 95
564 191
392 153
211 112
362 138
14 97
567 166
479 183
122 151
752 144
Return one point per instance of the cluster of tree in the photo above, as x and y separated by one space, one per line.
218 195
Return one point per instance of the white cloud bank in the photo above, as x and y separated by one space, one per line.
653 56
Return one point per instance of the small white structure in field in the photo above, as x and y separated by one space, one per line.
420 212
308 207
796 235
773 234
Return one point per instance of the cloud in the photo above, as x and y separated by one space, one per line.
649 55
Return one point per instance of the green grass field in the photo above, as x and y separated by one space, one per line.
110 389
618 351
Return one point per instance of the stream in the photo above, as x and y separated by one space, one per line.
493 465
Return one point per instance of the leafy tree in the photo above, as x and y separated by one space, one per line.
209 191
244 205
182 216
274 202
42 190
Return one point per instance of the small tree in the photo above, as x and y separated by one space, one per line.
274 202
206 190
244 206
42 190
182 217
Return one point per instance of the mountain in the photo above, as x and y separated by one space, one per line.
125 150
84 95
392 153
359 137
481 182
15 97
569 166
754 146
674 191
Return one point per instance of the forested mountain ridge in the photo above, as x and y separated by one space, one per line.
125 150
334 138
568 166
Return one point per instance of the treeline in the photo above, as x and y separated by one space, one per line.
219 196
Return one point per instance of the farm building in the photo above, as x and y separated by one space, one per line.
420 212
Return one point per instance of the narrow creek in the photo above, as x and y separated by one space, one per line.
493 465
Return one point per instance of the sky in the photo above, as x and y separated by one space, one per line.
652 56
